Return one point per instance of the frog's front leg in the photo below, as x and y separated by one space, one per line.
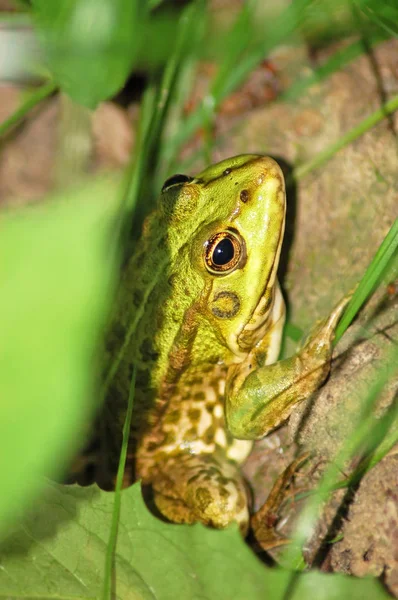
201 487
259 399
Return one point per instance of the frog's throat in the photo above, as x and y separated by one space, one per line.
266 326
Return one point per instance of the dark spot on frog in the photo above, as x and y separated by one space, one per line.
194 414
260 358
191 435
225 305
203 498
151 301
244 196
223 492
151 446
193 478
170 438
222 480
226 172
172 280
148 353
115 337
143 378
162 242
208 436
138 297
172 417
195 380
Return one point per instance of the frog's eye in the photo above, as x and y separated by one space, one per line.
224 252
176 180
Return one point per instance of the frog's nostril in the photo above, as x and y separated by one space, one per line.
244 196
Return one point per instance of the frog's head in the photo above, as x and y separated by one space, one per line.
227 230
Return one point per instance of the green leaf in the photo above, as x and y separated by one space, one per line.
57 552
90 44
57 268
387 252
384 14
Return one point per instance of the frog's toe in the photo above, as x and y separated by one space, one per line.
202 488
219 506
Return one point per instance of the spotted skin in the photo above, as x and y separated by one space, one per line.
203 340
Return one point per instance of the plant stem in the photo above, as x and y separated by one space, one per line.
374 272
370 121
111 546
33 99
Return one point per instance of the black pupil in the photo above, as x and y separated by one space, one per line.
223 253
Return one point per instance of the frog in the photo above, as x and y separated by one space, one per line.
198 324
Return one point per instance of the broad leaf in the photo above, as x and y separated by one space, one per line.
90 44
59 550
57 267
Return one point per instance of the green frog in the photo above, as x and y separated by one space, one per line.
199 319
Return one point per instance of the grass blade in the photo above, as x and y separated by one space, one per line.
31 101
358 440
107 593
371 278
322 157
335 63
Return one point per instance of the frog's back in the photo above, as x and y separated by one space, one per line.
181 320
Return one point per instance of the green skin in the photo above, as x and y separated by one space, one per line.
204 344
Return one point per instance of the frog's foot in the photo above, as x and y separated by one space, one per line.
206 488
319 342
264 521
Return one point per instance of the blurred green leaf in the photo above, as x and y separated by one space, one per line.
56 282
57 550
90 44
384 14
330 586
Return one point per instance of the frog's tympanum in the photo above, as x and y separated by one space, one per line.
200 316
